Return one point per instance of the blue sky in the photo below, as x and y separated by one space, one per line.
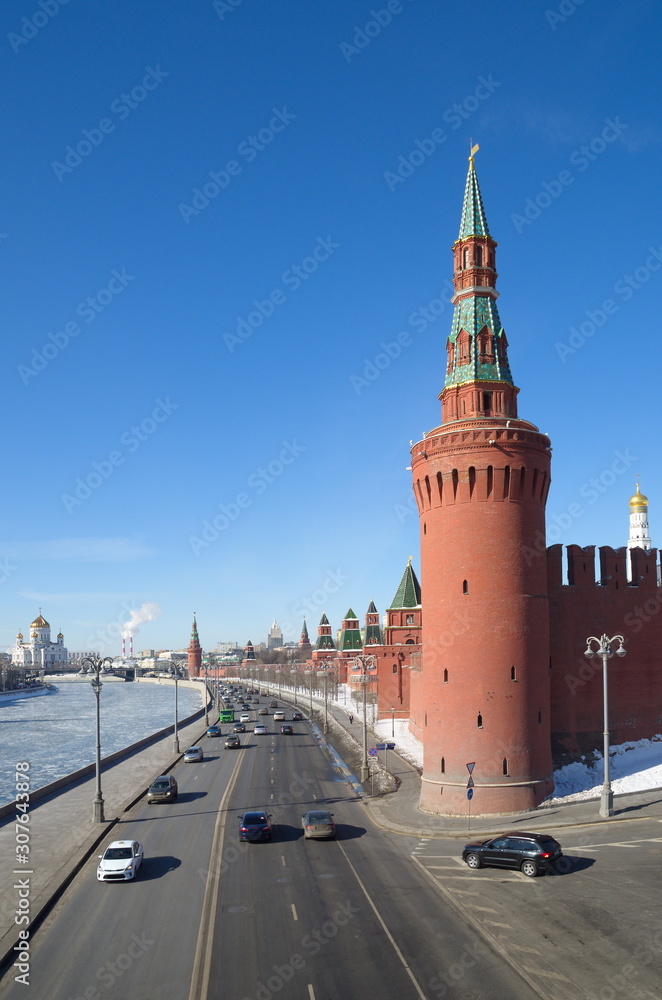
216 215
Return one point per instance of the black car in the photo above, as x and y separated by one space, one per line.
297 717
232 742
255 826
531 853
240 727
287 730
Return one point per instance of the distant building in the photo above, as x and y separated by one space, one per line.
275 637
40 651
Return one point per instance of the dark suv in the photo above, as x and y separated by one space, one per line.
531 853
163 789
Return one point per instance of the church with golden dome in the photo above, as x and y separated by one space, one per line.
40 651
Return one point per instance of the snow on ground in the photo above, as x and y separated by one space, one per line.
633 767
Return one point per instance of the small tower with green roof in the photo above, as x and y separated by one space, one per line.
373 630
350 634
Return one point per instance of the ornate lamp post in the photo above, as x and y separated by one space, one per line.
98 667
605 651
364 663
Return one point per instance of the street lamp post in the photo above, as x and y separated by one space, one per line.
97 667
326 701
363 663
206 698
175 741
605 651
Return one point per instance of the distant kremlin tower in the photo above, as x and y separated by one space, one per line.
194 651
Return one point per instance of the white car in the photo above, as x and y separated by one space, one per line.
279 716
120 861
260 730
245 717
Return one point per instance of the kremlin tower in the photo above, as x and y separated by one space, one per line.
481 480
194 651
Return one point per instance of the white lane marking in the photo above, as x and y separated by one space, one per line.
311 991
282 860
385 928
495 923
444 868
294 911
522 947
545 972
483 909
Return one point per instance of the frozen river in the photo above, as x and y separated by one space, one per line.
56 733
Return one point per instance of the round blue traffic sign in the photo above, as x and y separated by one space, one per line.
470 794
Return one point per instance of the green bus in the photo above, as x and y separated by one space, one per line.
226 715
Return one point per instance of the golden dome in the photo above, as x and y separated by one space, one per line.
638 500
39 622
19 635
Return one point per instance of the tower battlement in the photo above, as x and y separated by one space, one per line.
580 569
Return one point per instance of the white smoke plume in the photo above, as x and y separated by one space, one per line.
148 612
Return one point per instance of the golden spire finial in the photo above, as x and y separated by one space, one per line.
472 150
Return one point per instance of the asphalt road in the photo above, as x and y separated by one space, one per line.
208 917
591 931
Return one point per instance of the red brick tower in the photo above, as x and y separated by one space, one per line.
194 651
481 481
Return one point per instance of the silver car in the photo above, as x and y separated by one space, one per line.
193 754
318 824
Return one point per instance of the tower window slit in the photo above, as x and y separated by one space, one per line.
443 765
505 765
513 674
445 676
479 721
465 586
490 480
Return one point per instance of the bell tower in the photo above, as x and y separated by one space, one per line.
481 480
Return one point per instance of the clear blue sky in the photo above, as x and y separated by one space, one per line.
282 420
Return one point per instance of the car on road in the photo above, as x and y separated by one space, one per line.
279 716
163 789
297 717
255 825
263 711
256 701
260 730
239 727
318 825
531 853
245 717
273 704
287 730
193 754
246 707
120 861
232 742
214 731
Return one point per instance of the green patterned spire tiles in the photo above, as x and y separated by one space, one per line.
409 592
477 314
474 222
